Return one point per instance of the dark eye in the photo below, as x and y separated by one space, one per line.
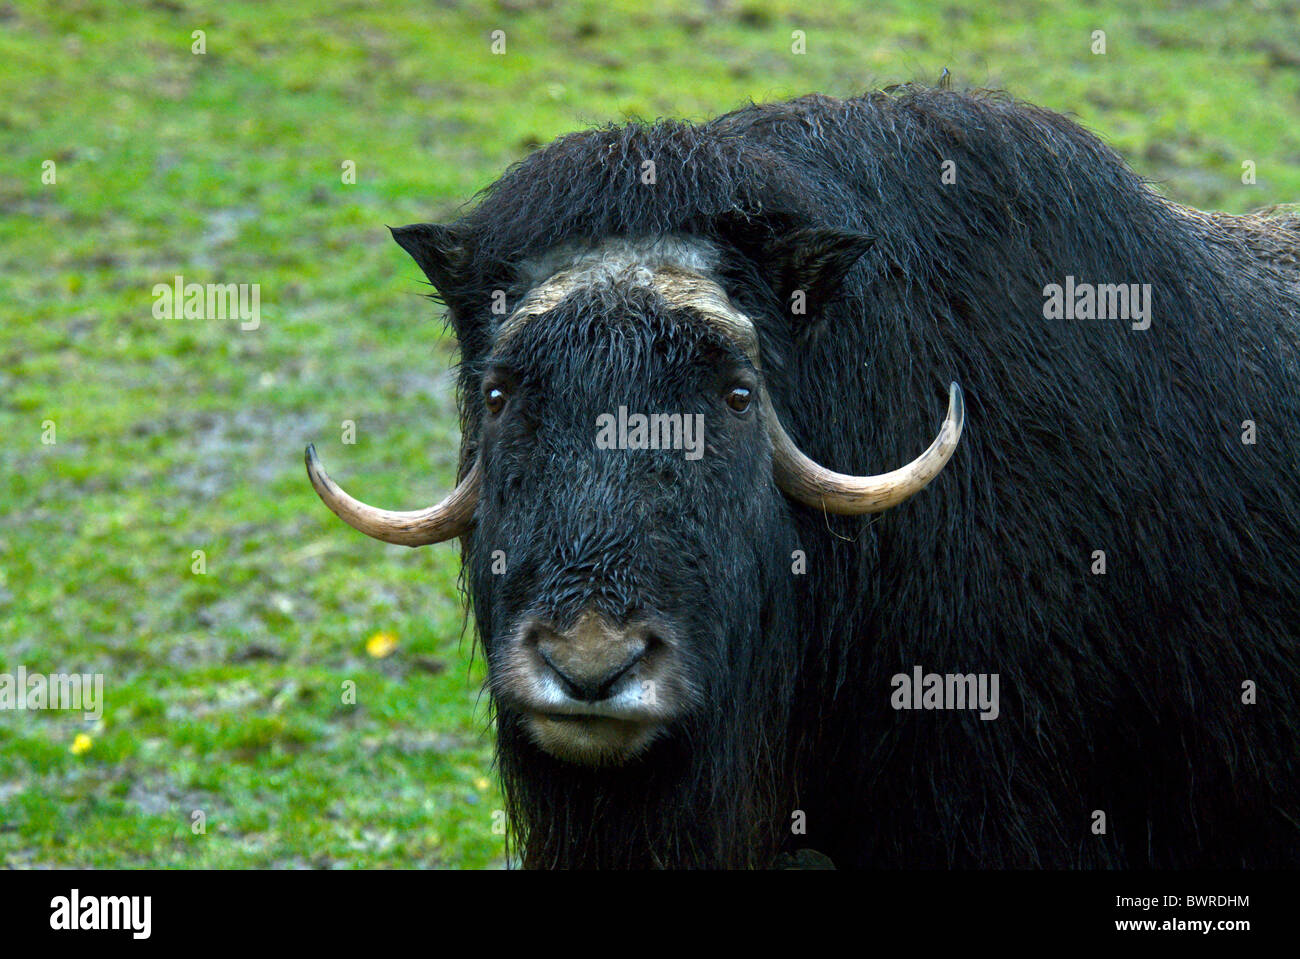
495 399
738 398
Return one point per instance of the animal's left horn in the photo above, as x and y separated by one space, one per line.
821 488
442 521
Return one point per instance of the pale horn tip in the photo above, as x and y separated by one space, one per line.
956 408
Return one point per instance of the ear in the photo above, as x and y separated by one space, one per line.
437 250
808 268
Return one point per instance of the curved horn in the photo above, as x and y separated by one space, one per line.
821 488
443 521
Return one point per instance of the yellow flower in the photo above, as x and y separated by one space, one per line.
81 744
381 645
481 783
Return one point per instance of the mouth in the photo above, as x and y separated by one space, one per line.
591 739
591 691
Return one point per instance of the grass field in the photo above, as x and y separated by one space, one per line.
224 689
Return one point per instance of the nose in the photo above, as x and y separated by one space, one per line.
591 656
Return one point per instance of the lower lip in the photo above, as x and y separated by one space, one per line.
591 740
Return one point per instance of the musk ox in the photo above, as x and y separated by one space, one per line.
1064 635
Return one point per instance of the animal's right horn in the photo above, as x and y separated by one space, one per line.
442 521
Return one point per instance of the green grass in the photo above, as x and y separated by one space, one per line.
224 690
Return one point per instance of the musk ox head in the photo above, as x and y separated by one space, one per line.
625 503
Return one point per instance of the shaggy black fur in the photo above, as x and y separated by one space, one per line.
1121 692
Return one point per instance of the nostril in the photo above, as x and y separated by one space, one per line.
634 655
588 682
568 680
579 687
591 658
